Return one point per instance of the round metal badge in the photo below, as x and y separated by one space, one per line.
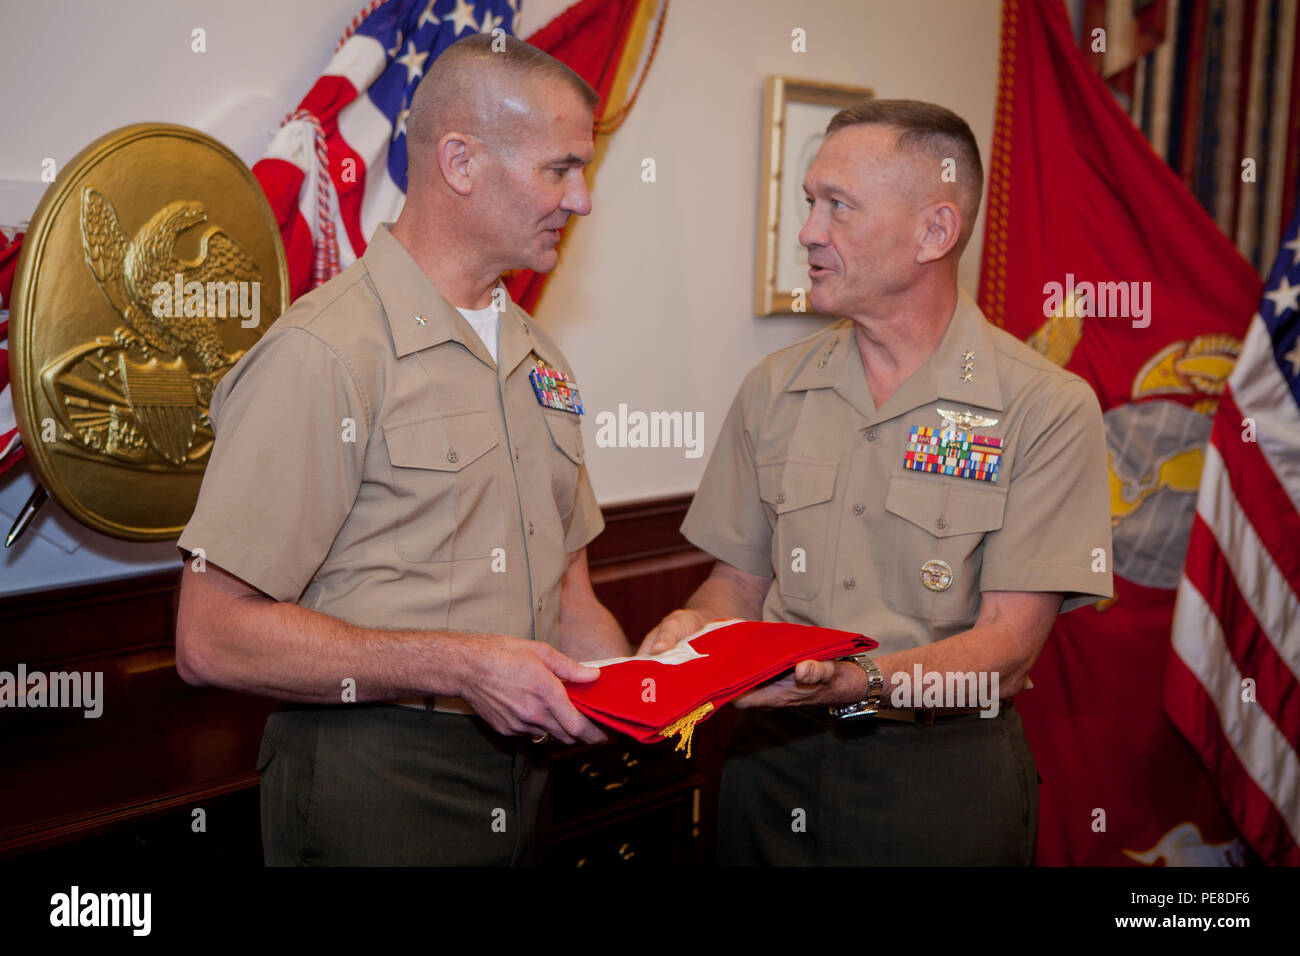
936 575
151 265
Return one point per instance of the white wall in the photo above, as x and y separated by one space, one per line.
652 302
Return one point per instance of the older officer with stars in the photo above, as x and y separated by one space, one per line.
911 473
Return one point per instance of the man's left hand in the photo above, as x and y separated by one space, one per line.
811 682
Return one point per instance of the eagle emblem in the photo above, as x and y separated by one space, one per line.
141 396
127 269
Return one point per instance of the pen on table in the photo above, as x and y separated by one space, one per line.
25 516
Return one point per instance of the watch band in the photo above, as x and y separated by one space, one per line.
875 687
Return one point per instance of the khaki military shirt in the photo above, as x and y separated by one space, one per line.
373 463
807 485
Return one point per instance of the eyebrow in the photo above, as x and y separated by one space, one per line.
830 189
569 160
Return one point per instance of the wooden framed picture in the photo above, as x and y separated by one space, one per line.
795 117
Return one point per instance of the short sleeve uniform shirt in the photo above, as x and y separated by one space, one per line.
808 484
373 462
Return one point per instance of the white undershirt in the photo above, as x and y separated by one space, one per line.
485 322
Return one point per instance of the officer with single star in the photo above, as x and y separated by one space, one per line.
393 526
913 474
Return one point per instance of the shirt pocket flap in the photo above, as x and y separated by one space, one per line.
566 429
796 483
948 510
440 442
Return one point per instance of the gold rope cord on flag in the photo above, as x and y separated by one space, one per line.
636 40
686 727
995 235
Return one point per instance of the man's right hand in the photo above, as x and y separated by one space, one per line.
673 629
515 685
727 593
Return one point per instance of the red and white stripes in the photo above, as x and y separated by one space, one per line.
1238 610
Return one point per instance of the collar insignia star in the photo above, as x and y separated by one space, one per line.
419 320
826 356
967 366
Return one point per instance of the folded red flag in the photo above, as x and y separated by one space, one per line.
652 698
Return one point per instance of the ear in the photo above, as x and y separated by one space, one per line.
454 151
941 230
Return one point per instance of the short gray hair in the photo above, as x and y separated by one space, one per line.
930 130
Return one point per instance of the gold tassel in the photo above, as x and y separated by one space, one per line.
686 727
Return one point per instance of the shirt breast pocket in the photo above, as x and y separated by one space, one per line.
936 545
800 492
566 433
447 488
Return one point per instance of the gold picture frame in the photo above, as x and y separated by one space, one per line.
794 120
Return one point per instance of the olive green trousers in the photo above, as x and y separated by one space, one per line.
801 788
381 785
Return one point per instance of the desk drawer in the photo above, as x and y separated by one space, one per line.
662 836
598 779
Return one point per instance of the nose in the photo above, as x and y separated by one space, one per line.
813 232
577 199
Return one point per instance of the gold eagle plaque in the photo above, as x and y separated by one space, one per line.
151 265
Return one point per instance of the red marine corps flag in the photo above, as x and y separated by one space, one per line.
665 695
1098 256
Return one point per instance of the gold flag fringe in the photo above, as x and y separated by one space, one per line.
686 727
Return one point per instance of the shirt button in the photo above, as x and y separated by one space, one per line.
530 527
941 522
780 498
516 453
871 434
850 584
858 509
452 456
539 606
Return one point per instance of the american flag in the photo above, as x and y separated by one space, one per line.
337 166
1233 683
